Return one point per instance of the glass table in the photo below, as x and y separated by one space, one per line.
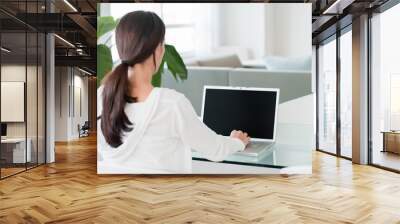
278 156
293 148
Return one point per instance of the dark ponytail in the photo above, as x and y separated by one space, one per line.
137 36
113 118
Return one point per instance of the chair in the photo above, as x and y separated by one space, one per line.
84 130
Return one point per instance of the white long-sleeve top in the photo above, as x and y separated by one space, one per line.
167 129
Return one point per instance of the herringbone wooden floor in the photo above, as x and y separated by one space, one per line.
70 191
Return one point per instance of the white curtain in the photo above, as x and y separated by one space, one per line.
205 19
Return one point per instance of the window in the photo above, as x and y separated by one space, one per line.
395 101
190 34
22 88
327 97
385 86
333 137
346 94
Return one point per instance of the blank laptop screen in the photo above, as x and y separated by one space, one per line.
251 111
3 129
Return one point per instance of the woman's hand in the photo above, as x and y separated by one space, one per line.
242 136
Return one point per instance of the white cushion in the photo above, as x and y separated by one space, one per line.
276 63
232 61
191 62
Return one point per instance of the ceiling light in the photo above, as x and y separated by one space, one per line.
5 50
84 71
64 40
70 5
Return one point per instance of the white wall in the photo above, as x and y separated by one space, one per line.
68 81
61 103
80 83
17 73
291 29
266 29
242 25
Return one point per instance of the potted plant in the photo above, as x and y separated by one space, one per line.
172 60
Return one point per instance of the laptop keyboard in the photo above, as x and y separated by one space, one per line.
255 144
258 145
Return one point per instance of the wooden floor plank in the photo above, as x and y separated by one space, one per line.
70 191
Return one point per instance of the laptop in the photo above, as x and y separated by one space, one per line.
252 110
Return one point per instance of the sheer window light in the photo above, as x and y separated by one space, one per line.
188 26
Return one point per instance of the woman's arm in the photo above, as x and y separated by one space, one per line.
199 137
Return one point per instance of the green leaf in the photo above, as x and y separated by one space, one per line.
156 79
105 24
175 63
104 62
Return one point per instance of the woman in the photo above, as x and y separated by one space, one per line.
144 129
